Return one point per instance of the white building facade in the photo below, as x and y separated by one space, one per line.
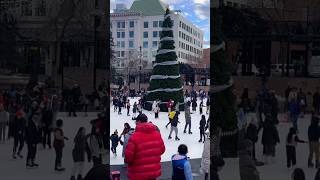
132 30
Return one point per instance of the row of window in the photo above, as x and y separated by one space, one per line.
189 39
186 56
122 34
189 48
189 29
122 24
122 44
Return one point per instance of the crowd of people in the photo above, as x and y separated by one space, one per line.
146 138
262 114
31 117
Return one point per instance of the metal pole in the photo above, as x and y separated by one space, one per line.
140 67
95 53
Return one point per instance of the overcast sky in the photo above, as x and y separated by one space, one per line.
197 11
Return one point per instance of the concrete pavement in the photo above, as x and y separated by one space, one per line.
166 170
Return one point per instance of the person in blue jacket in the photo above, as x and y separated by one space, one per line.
181 165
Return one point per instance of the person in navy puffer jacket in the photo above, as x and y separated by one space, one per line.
181 165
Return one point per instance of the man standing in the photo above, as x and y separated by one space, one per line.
188 118
174 124
316 101
144 150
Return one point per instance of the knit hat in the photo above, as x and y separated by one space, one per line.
19 113
142 118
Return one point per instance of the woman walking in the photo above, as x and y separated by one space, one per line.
78 154
58 145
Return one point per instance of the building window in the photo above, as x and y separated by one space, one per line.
123 24
118 24
123 44
154 44
131 34
145 34
122 53
40 9
159 33
180 24
26 8
179 34
145 44
118 34
131 24
160 23
131 45
146 24
123 34
118 44
155 23
155 33
229 3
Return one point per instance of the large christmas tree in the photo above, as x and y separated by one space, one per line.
223 111
165 82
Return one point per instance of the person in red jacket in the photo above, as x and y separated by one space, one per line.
144 150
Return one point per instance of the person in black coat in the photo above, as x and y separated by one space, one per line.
216 165
270 137
114 142
47 118
19 128
202 128
33 136
252 135
313 137
174 124
78 153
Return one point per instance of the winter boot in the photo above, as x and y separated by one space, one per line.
14 156
29 164
169 137
34 164
79 177
310 164
20 156
177 139
184 131
190 132
200 140
73 178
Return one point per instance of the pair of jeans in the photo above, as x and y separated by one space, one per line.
313 149
58 157
18 140
96 160
32 151
46 138
291 156
188 124
294 120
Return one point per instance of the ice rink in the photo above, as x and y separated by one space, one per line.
191 140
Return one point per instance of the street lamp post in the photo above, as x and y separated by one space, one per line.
140 67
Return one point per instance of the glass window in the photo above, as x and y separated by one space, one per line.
118 35
179 33
26 8
123 44
131 34
145 44
123 24
118 53
180 24
122 53
40 9
154 44
118 44
160 23
131 24
155 33
118 24
146 24
123 34
145 34
131 45
155 23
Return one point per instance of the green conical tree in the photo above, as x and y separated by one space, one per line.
224 112
165 82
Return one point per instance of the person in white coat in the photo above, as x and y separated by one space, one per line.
205 161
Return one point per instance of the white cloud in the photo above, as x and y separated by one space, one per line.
202 11
186 14
203 2
170 2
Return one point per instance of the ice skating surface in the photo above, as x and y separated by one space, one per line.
278 170
191 140
11 169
